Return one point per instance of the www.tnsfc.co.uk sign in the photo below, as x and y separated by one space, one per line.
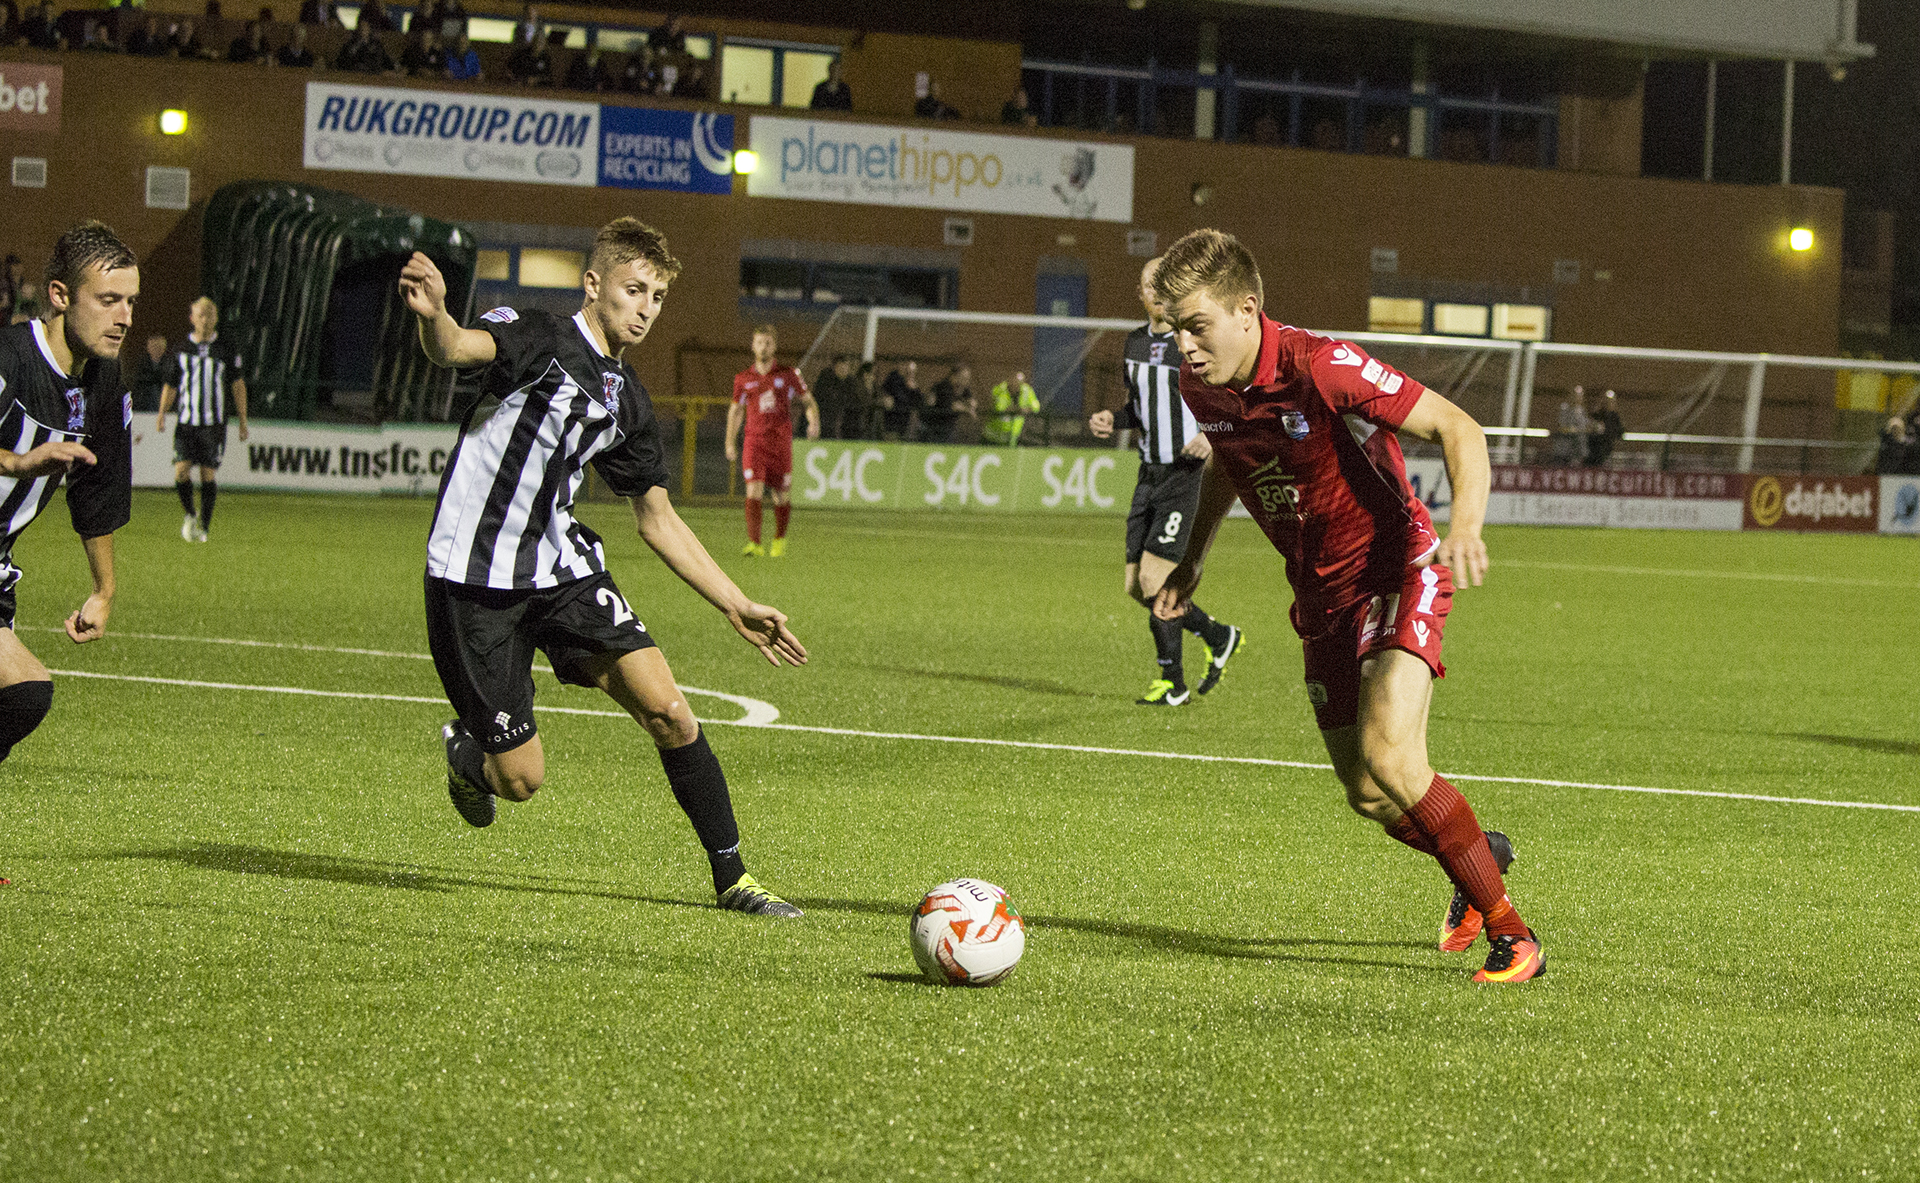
498 138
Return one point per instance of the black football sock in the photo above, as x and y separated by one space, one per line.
1205 627
693 772
22 706
185 489
207 490
1166 644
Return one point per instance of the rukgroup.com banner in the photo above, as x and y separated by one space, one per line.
434 133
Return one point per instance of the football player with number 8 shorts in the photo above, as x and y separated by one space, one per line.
1303 432
510 570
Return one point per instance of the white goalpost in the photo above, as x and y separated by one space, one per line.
1685 409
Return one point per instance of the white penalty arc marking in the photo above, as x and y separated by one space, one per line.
765 716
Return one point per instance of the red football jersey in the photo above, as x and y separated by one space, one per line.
768 399
1305 449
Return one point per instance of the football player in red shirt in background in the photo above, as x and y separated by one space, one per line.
1303 428
763 397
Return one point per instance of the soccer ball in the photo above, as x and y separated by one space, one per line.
967 933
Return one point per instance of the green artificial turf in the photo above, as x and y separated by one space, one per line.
249 938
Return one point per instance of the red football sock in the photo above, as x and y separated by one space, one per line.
780 515
1444 816
1405 831
753 520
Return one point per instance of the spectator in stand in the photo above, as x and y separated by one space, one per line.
423 57
1604 430
835 392
213 11
320 12
530 63
453 22
528 28
637 77
40 29
1016 113
12 275
860 421
694 83
295 53
148 374
250 47
931 107
832 94
952 398
98 38
668 38
1569 430
900 397
146 41
587 72
185 43
9 22
374 16
27 302
463 64
363 54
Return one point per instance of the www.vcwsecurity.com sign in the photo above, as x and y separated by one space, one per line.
435 133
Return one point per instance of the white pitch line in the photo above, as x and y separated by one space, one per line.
1033 745
1684 573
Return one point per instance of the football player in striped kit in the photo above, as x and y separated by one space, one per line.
510 570
1172 452
64 412
202 372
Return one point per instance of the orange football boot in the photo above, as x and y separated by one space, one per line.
1513 960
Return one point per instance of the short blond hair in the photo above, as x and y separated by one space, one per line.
623 240
767 331
1212 261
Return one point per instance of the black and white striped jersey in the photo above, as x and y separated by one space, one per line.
40 403
505 515
1154 409
204 373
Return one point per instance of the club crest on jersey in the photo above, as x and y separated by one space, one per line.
1294 424
610 385
1157 353
76 410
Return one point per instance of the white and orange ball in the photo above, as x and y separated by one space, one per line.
967 933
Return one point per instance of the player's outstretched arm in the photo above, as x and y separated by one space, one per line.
1464 445
445 342
90 622
673 540
53 458
1216 498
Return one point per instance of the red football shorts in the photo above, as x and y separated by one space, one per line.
770 461
1410 619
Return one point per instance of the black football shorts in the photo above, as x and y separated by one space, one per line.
1161 518
483 639
205 446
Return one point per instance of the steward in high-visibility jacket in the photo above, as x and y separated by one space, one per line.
1012 402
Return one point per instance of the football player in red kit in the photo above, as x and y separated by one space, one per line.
763 398
1303 432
